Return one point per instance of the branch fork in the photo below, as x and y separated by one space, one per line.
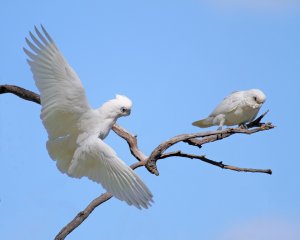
201 138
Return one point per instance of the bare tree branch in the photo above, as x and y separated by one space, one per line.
230 131
195 139
20 92
257 121
81 216
192 139
218 164
131 140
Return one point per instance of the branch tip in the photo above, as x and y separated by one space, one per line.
152 168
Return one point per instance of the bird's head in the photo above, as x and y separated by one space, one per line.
257 97
117 107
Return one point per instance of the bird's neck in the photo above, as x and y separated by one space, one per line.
97 122
106 121
105 127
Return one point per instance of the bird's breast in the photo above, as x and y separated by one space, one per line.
241 115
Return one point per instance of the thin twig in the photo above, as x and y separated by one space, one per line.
209 161
257 122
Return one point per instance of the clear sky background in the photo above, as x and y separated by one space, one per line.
176 60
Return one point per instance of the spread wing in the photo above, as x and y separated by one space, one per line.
228 104
63 98
99 162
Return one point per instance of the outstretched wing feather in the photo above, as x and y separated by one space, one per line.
99 162
63 97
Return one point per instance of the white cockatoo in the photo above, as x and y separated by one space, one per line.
238 108
75 130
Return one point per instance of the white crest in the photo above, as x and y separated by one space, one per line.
124 100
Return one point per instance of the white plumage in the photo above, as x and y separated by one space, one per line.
75 130
236 109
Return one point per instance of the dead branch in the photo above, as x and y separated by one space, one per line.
218 164
81 216
20 92
230 131
192 139
195 139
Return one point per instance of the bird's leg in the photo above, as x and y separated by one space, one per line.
221 124
243 126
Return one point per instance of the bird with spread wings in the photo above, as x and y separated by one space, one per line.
75 130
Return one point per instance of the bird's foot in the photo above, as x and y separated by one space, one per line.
243 126
257 122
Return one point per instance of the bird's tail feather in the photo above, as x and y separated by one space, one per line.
204 123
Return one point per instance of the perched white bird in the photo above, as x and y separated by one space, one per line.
236 109
75 130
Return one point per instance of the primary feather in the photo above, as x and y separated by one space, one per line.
75 130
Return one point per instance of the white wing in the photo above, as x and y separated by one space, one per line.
228 104
63 97
99 162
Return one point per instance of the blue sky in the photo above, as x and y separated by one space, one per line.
176 60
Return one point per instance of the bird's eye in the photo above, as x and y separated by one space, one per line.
123 109
255 99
